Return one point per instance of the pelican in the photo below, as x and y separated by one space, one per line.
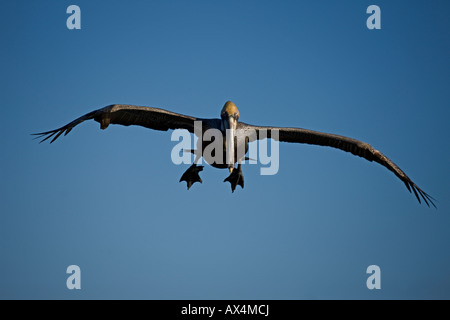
243 133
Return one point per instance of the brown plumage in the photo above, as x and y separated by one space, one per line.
160 119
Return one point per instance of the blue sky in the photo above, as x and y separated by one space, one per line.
110 201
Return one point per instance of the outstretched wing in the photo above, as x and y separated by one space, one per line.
126 115
356 147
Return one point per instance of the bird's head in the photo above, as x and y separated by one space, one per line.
229 110
230 116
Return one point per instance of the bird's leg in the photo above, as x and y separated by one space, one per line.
191 175
236 178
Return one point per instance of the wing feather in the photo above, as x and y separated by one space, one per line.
126 115
356 147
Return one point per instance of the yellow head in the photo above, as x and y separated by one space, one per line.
230 110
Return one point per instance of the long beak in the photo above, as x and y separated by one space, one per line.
230 124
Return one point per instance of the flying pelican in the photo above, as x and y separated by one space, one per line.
160 119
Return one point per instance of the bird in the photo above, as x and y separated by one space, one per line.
236 138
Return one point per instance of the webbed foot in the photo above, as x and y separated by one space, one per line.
191 175
236 178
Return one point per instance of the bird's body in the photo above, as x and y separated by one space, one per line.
204 145
235 137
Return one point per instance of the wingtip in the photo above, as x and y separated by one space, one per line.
419 193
